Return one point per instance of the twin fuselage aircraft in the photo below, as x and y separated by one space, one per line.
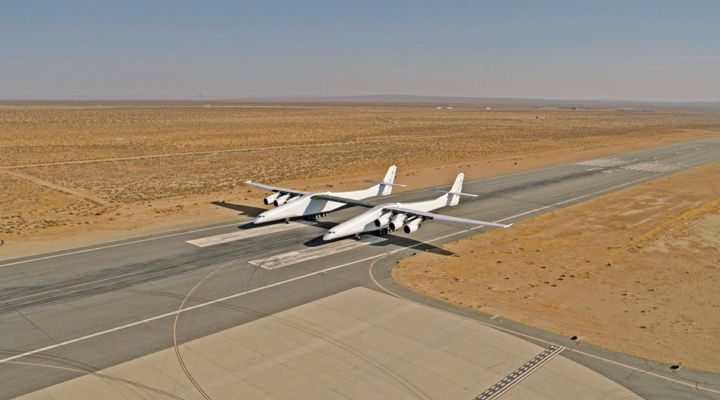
384 218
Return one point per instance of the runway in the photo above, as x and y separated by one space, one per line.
99 306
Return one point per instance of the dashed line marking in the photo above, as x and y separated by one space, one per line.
515 377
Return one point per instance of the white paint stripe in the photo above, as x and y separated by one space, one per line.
323 271
298 256
109 246
242 234
299 277
517 376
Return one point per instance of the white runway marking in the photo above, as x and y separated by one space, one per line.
647 166
521 373
693 385
603 162
241 234
294 257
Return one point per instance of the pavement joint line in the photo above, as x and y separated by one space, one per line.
297 278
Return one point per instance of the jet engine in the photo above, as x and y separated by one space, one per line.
271 199
282 200
413 225
397 221
383 220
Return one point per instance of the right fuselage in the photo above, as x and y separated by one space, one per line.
376 218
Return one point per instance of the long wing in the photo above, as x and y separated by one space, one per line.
445 218
350 202
274 189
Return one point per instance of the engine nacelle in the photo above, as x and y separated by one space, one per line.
383 220
271 199
413 225
282 200
397 221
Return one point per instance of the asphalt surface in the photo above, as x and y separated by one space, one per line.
94 307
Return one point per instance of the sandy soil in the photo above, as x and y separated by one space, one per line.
635 271
81 174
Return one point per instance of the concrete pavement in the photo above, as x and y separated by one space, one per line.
100 306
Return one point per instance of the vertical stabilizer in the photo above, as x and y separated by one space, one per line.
454 196
387 182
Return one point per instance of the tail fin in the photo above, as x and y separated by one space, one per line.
453 195
455 190
385 186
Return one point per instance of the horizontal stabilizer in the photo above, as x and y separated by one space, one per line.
337 199
275 188
455 193
385 183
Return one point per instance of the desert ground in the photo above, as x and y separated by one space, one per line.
74 173
635 271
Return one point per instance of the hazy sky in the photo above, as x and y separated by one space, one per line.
645 50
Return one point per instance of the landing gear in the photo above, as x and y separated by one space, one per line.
287 220
315 217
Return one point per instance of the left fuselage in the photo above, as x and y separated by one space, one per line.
307 205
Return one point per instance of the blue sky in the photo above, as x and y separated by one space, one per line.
642 50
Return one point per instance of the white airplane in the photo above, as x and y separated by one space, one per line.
291 203
409 216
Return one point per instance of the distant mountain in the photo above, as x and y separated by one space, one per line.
392 99
399 99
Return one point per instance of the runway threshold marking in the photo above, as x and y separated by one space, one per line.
298 256
56 345
241 234
515 377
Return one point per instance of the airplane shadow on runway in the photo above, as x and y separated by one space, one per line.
391 240
249 211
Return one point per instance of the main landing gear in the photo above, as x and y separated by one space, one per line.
315 217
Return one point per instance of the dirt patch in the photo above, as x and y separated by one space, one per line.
635 271
146 168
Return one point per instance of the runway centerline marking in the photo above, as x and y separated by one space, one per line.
241 234
298 256
304 276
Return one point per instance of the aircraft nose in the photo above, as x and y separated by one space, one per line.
259 219
330 235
